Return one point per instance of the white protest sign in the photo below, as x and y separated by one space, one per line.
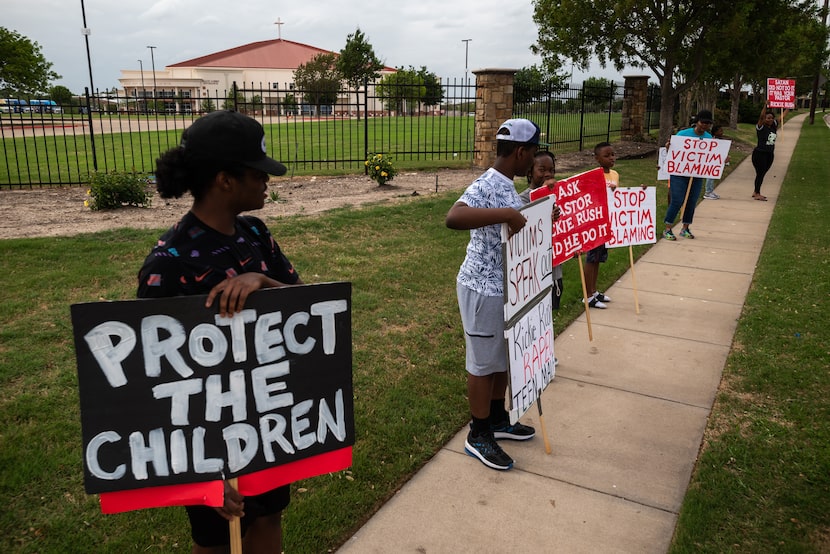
633 212
696 157
662 154
528 255
528 306
530 355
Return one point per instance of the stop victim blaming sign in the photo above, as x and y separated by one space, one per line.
172 394
584 222
633 211
696 157
528 306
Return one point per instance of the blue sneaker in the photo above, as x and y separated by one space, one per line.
515 432
669 235
687 233
487 450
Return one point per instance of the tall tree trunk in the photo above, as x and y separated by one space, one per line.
735 100
667 97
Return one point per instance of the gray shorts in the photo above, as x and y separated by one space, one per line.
483 321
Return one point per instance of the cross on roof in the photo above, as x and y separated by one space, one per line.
279 23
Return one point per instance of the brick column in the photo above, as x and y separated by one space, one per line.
634 107
494 105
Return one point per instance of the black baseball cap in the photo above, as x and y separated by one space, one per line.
231 137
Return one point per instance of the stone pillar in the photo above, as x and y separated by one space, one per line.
635 103
494 105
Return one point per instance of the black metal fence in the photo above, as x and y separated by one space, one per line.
46 144
576 118
311 131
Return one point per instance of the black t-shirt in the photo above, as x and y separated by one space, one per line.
191 258
766 137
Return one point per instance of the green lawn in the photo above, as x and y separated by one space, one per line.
761 485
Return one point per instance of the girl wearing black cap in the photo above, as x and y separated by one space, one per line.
214 251
764 154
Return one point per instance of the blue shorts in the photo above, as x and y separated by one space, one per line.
597 255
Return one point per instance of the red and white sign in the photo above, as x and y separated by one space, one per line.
633 212
781 93
696 157
584 223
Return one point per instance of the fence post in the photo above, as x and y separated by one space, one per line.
635 107
365 123
582 119
494 101
91 129
613 89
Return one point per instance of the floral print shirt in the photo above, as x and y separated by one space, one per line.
483 266
191 258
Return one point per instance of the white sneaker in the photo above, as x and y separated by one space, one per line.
711 196
594 302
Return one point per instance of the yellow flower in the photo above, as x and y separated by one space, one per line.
380 156
383 174
89 192
377 168
86 203
364 163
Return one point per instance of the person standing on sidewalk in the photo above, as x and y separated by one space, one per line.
678 183
764 154
487 203
607 159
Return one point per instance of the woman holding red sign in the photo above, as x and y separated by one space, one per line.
764 154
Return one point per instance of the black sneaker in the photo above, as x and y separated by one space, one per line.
516 432
485 448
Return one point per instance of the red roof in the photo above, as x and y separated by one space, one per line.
267 54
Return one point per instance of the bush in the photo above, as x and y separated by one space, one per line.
381 168
117 189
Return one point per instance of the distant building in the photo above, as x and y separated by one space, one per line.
267 66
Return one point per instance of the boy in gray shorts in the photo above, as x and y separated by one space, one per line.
487 203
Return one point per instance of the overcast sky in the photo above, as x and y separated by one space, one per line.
424 32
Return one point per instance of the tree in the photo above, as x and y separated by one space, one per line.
289 104
319 80
534 83
358 64
786 29
23 69
404 90
235 100
61 95
662 36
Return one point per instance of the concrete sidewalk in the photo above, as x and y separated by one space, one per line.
625 413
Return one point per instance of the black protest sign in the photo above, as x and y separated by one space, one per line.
171 393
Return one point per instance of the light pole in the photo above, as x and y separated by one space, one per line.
466 42
143 89
153 62
86 31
